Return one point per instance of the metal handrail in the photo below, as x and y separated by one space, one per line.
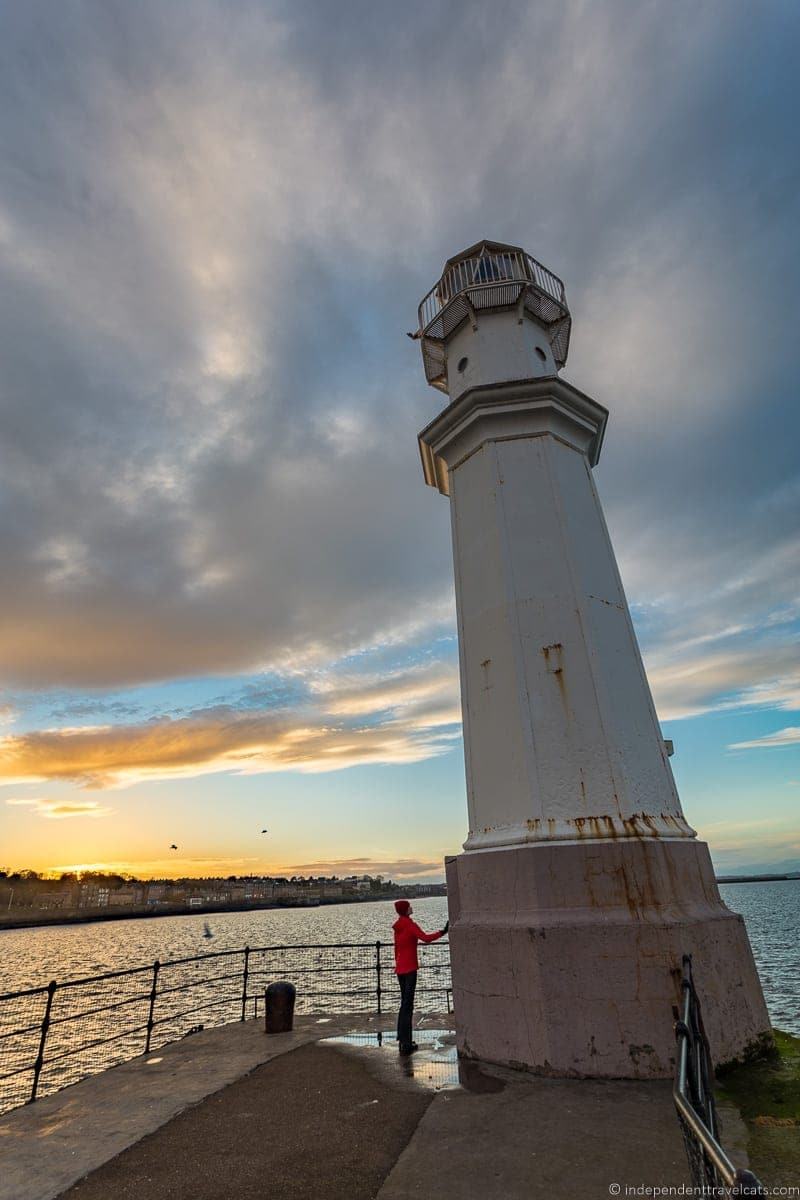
53 1044
486 270
693 1095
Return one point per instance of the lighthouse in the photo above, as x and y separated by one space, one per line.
581 884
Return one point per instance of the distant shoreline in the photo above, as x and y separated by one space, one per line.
758 878
133 914
9 922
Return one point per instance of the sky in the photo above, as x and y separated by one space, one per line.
226 597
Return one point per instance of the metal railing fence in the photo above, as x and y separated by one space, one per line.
693 1093
484 270
54 1035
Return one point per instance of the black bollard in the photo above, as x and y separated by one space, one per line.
279 1008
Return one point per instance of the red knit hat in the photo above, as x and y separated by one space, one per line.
402 907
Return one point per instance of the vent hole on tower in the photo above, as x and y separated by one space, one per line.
463 364
541 354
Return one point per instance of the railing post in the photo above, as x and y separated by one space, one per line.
244 980
378 974
153 994
37 1066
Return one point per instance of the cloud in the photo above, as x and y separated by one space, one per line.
61 809
717 636
221 740
782 737
396 868
755 845
689 683
411 717
212 252
433 684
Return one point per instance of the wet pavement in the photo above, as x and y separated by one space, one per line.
435 1066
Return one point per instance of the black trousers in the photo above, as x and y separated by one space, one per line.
408 985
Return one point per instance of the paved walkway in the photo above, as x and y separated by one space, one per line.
46 1146
230 1112
314 1122
552 1139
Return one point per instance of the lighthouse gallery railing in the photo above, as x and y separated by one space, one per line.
484 270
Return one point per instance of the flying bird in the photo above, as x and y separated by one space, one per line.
173 846
265 831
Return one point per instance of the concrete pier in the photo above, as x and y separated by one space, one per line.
231 1112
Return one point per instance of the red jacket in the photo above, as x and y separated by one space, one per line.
406 935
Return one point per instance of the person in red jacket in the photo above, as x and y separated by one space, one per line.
406 936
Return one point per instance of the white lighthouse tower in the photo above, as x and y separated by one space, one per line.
581 884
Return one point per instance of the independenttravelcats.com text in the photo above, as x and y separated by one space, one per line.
705 1190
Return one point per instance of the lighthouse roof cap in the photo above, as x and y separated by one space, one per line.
484 246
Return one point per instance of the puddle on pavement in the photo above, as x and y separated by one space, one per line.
435 1066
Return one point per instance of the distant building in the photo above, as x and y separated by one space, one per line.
259 891
425 889
60 899
125 897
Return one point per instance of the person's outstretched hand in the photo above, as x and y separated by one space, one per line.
446 927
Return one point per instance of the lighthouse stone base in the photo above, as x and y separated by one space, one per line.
566 958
